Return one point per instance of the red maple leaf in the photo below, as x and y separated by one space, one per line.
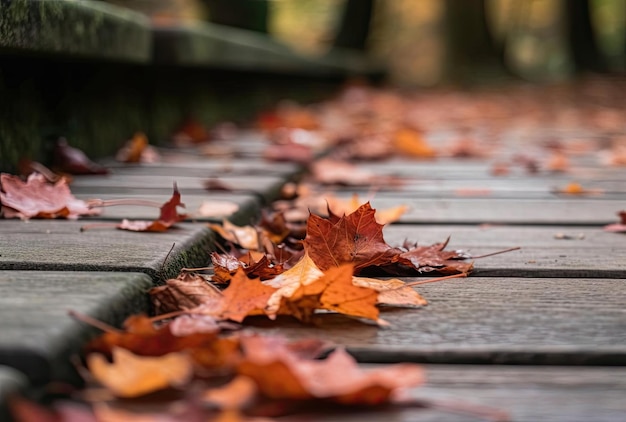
354 238
168 217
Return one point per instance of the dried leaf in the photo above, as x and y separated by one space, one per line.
67 159
37 198
618 227
434 258
182 293
355 238
137 150
217 208
393 292
247 236
243 297
168 217
411 142
280 375
334 291
303 273
130 375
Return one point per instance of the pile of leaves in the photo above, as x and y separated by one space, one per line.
272 272
186 370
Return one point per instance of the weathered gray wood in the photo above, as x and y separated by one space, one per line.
249 205
67 28
60 245
489 320
206 167
553 251
527 394
263 185
578 211
38 337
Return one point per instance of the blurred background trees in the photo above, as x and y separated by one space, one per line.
432 41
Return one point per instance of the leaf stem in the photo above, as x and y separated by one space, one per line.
498 252
434 280
98 226
93 322
97 203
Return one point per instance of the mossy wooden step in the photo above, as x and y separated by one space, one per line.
39 337
75 29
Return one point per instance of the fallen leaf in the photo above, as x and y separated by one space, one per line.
411 142
558 162
329 171
67 159
303 273
130 375
142 338
235 395
245 236
392 292
354 238
243 297
294 153
37 198
435 258
574 188
334 291
137 150
168 217
191 131
340 206
618 227
183 293
280 375
217 209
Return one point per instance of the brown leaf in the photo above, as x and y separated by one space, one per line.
67 159
434 258
37 198
391 292
280 375
340 206
356 238
245 236
142 338
182 293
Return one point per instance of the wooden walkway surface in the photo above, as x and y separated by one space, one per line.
543 327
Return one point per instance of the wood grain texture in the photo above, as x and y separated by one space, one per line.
490 320
527 394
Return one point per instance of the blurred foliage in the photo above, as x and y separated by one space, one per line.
409 35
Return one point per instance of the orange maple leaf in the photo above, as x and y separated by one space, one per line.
243 297
130 375
334 291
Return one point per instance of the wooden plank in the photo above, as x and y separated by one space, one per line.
527 394
553 251
578 211
488 320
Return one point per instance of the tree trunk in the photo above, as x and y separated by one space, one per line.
354 25
581 37
470 49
